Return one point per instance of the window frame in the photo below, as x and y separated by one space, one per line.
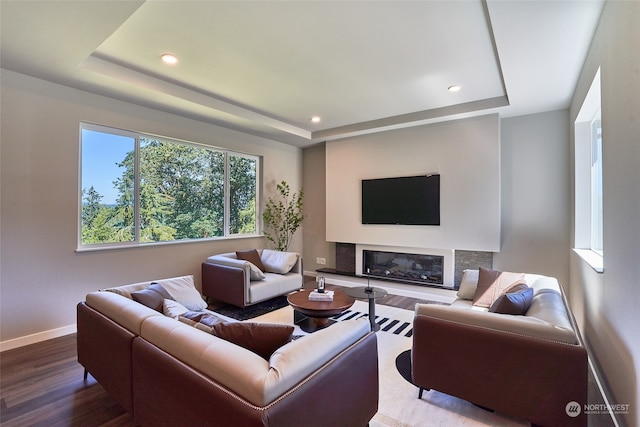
588 200
137 136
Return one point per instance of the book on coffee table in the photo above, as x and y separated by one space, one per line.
321 296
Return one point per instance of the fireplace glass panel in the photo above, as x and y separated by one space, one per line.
418 269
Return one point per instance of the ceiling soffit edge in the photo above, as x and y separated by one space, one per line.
411 119
116 70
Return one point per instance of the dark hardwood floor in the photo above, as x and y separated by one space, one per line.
42 385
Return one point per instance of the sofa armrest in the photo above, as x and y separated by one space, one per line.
247 374
526 377
226 283
213 376
228 261
297 267
105 350
348 386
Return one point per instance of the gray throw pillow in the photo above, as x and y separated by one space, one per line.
152 296
517 301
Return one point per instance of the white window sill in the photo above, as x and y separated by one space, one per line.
133 245
592 258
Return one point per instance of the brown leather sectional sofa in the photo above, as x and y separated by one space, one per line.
533 367
167 373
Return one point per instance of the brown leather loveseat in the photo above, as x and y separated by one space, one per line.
233 280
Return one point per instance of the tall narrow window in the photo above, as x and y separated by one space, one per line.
140 189
596 184
589 232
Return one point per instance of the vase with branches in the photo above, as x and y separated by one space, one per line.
282 216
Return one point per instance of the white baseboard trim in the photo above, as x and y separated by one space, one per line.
37 337
594 372
413 291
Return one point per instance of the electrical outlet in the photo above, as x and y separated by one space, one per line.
321 261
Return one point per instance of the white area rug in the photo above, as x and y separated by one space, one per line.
399 405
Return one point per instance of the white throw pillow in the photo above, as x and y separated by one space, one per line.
468 284
277 261
183 290
173 308
255 273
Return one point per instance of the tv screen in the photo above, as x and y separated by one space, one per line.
410 200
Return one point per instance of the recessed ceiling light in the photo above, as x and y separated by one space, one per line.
169 58
315 119
454 88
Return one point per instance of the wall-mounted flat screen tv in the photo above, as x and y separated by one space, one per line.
409 200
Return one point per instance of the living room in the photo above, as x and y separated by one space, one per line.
526 170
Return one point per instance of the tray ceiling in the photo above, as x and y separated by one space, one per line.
267 67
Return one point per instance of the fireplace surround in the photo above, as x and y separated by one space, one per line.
350 262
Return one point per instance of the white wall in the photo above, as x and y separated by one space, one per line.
466 154
607 304
42 277
535 195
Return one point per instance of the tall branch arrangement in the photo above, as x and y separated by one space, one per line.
282 216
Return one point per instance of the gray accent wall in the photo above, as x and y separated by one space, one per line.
606 304
535 195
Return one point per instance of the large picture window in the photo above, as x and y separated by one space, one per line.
141 189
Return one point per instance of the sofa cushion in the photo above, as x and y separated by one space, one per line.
173 309
468 284
260 338
278 261
492 284
153 297
252 256
273 285
517 301
183 290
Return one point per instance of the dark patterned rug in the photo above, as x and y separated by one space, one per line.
253 310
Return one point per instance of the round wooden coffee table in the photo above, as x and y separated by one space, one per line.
314 315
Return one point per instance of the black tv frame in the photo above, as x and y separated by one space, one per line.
406 200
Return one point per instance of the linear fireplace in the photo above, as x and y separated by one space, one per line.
418 269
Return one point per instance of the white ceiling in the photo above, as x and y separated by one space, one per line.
267 67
